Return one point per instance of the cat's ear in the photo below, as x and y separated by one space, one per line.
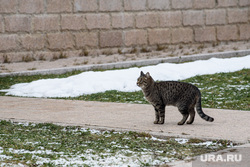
142 74
147 74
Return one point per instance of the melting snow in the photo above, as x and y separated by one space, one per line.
125 79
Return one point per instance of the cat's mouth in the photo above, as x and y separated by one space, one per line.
140 85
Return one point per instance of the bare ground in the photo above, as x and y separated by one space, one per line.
125 55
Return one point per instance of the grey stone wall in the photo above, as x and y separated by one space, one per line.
42 29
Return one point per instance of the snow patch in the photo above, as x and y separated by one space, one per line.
125 79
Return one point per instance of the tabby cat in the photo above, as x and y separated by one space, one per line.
184 96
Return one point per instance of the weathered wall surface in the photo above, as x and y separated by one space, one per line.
41 29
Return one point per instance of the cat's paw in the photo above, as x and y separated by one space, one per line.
190 122
161 122
180 123
156 122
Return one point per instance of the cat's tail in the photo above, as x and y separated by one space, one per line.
201 113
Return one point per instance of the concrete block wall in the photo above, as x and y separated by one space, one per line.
41 29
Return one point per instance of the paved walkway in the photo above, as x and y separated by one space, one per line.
228 124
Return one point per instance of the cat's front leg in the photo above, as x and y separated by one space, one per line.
157 116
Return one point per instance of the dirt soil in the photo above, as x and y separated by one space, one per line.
128 55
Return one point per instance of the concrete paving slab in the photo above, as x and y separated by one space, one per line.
229 124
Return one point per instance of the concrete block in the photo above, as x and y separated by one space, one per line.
47 55
111 39
244 2
135 37
59 6
14 56
244 31
204 4
135 5
8 6
146 20
182 4
46 23
215 16
73 22
85 5
227 33
237 15
206 34
33 42
98 21
9 42
170 19
227 3
110 5
18 23
158 4
159 36
31 6
191 18
182 35
122 20
59 41
89 39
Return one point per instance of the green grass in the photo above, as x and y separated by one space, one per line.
114 96
48 144
52 145
222 90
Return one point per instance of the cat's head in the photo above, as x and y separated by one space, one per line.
145 80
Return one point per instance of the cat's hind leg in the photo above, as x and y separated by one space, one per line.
162 116
192 115
185 115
